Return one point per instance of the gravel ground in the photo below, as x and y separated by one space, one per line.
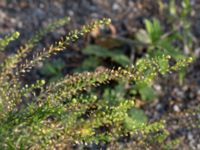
26 16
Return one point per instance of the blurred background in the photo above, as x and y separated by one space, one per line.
175 24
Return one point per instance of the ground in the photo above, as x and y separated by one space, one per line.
127 17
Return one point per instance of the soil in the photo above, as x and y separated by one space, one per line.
26 16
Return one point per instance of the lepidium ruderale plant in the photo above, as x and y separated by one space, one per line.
64 112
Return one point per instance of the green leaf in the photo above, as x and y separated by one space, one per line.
153 29
181 75
135 118
148 26
89 64
137 115
96 50
157 29
186 8
115 55
48 69
143 37
53 69
146 92
172 7
121 59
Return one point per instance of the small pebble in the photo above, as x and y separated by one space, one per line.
115 6
176 108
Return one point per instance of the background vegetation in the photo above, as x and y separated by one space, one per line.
96 88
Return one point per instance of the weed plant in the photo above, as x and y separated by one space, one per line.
64 112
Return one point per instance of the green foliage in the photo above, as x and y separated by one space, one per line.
146 91
6 40
159 42
153 30
96 54
53 69
115 55
65 112
13 60
135 117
